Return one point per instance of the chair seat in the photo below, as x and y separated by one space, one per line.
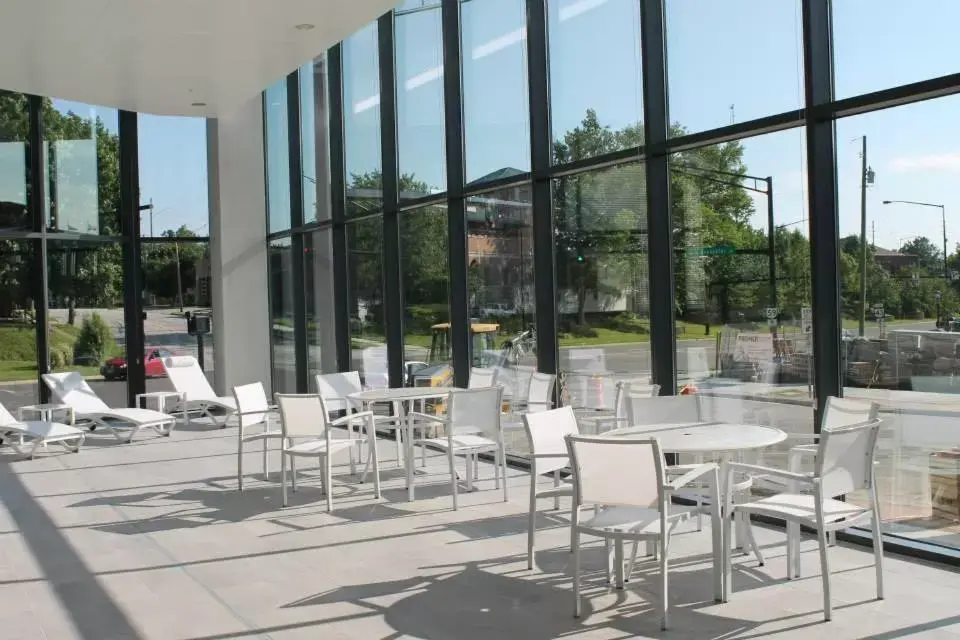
319 447
462 443
801 508
47 431
139 416
630 520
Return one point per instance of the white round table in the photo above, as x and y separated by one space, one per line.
402 397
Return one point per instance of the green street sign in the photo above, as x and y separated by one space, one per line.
719 250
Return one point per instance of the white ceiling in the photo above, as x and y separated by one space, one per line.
162 56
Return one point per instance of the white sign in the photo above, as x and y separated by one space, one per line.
753 347
806 319
771 313
878 312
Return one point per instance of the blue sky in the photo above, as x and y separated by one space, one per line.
740 53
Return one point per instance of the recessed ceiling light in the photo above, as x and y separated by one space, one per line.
304 26
198 104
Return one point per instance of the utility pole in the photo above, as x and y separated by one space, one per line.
863 234
873 234
771 245
151 217
179 278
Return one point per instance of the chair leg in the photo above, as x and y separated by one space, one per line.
727 565
240 465
503 469
283 476
496 468
618 561
825 571
266 470
665 578
532 518
453 476
293 473
374 455
608 549
576 572
751 540
353 465
328 482
878 549
556 483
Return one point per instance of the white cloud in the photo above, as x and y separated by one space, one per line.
935 162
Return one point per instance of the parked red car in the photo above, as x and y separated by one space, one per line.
116 368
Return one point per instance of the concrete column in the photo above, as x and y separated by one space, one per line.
238 250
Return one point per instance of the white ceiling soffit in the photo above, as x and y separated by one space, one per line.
170 57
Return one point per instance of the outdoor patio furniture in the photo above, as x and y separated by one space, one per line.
257 421
335 388
546 433
71 389
188 378
617 419
472 426
625 478
844 464
481 378
25 437
305 417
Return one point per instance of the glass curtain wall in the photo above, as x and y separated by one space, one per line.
730 175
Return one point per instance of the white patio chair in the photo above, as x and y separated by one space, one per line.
375 372
539 393
601 423
305 417
335 388
257 420
72 390
844 464
472 426
26 436
188 378
482 378
546 431
625 478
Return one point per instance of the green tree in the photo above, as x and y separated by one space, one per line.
929 257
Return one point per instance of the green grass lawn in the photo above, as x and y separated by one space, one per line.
26 370
853 323
18 350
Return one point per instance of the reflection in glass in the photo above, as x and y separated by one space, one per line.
318 274
420 127
602 283
361 121
426 303
276 130
13 165
595 73
732 61
742 345
315 153
495 114
18 335
81 155
280 266
906 358
367 341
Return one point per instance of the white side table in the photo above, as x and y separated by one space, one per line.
47 411
159 401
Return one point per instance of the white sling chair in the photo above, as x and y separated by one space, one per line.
72 390
188 378
25 437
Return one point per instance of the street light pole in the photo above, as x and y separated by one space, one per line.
863 235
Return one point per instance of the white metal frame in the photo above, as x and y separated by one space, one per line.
188 378
254 412
25 437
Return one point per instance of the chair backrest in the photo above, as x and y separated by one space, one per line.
302 415
626 472
252 404
335 387
187 377
633 388
645 410
546 436
71 389
540 391
594 391
845 458
7 418
481 378
476 409
843 412
375 372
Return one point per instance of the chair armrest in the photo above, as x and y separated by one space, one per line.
511 426
426 416
806 478
350 416
691 475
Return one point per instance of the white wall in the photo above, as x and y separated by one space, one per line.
238 252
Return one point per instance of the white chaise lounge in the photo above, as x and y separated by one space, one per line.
26 436
188 378
71 389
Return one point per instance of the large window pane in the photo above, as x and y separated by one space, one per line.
318 275
426 303
18 331
495 114
315 150
500 285
879 44
367 342
904 363
173 176
82 160
361 121
86 329
277 144
595 75
420 130
602 283
13 162
280 256
743 343
732 61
